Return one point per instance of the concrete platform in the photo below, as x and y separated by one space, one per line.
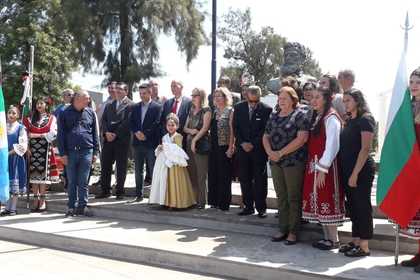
222 253
384 234
19 261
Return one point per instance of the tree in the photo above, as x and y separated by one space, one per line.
259 53
122 35
39 23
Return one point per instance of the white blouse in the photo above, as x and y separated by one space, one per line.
332 145
22 145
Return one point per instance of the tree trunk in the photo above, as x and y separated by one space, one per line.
126 42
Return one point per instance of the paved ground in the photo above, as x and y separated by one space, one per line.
197 243
29 262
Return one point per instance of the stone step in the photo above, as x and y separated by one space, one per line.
236 193
384 233
189 248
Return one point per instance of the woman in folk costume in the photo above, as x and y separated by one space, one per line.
413 229
17 139
323 198
171 184
42 129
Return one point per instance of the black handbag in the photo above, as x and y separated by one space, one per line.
202 146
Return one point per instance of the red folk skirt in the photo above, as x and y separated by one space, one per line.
322 205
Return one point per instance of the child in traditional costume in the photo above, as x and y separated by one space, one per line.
171 184
18 143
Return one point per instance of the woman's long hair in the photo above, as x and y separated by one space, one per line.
35 113
327 96
358 97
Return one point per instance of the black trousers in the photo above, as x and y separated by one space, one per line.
253 179
219 178
114 152
358 202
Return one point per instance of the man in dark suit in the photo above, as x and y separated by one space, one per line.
117 138
144 124
249 121
179 105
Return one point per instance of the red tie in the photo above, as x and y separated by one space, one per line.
175 106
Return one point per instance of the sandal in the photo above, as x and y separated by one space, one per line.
346 247
328 245
316 244
356 252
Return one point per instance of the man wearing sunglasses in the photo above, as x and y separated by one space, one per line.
249 121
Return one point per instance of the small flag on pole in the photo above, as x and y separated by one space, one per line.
26 97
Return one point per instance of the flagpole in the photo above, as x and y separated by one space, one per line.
31 71
397 244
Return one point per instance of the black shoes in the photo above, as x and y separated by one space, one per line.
262 215
346 247
279 238
137 199
69 213
8 213
102 195
246 212
356 252
119 197
290 242
326 245
79 212
83 212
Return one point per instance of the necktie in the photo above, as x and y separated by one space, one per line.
175 106
251 111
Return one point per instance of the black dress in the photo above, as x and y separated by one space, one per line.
220 170
358 199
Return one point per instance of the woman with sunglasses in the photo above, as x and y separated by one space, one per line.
198 146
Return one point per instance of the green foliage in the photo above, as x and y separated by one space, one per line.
39 23
122 35
258 53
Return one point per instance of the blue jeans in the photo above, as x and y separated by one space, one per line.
78 168
141 154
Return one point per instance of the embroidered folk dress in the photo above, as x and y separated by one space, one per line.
42 165
413 229
171 184
18 142
324 205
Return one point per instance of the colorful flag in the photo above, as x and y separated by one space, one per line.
398 191
4 153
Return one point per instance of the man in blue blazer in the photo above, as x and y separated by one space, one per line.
144 125
179 105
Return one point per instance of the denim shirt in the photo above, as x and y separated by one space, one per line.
77 130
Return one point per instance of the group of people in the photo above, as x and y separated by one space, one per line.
317 140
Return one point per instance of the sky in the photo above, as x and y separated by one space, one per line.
365 36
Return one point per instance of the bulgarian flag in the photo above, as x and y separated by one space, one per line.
398 188
26 99
4 153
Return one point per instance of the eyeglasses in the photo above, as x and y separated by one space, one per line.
194 95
